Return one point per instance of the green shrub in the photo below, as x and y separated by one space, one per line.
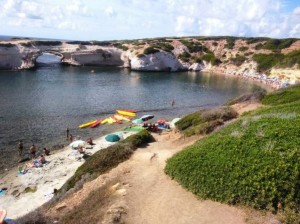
28 44
164 46
259 46
79 42
185 56
204 121
210 57
278 44
192 46
290 60
46 43
150 50
230 43
255 96
253 40
243 48
283 96
267 61
254 161
238 60
108 158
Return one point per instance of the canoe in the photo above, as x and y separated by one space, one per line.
122 112
121 117
116 119
132 111
96 124
110 120
87 124
104 121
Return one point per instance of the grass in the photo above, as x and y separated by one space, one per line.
254 161
108 158
205 121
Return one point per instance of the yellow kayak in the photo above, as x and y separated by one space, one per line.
120 117
87 124
104 121
110 120
127 113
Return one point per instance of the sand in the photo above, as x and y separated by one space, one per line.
41 182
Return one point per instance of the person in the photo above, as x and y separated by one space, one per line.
90 141
20 147
173 103
46 152
68 133
42 160
80 149
32 151
71 138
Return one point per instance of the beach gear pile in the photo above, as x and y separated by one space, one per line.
118 118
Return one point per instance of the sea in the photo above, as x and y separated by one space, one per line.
37 106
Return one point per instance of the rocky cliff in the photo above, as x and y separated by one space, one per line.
250 57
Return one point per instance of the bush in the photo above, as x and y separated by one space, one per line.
243 48
267 61
283 96
230 43
108 158
46 43
210 57
150 50
28 44
278 44
238 60
79 42
255 96
254 161
192 46
204 121
164 46
185 56
7 45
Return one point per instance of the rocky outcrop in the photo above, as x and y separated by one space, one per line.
161 61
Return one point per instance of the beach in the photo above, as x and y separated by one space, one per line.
26 192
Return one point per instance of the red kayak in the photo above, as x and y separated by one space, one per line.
96 124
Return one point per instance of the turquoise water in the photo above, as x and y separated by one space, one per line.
38 105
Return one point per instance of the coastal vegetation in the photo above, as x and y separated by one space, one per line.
254 161
150 50
205 121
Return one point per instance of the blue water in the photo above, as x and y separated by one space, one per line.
38 105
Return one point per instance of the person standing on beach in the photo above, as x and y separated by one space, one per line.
32 151
173 103
20 147
67 133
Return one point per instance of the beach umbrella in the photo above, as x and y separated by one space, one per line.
112 138
173 122
147 117
77 143
137 121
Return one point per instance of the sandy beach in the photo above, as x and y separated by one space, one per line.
26 192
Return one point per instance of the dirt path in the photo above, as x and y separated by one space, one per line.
154 198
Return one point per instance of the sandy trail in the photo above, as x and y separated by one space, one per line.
154 198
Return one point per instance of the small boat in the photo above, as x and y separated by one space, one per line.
116 119
87 124
110 120
104 121
132 111
122 112
121 117
98 122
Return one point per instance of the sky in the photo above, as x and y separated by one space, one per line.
135 19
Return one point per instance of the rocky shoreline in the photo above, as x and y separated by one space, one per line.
169 55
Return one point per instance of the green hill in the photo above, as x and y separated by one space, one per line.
255 161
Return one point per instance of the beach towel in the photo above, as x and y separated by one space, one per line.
2 192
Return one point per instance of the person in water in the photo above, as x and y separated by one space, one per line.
32 151
20 147
46 152
68 133
173 103
71 138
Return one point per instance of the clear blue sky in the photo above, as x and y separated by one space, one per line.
132 19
